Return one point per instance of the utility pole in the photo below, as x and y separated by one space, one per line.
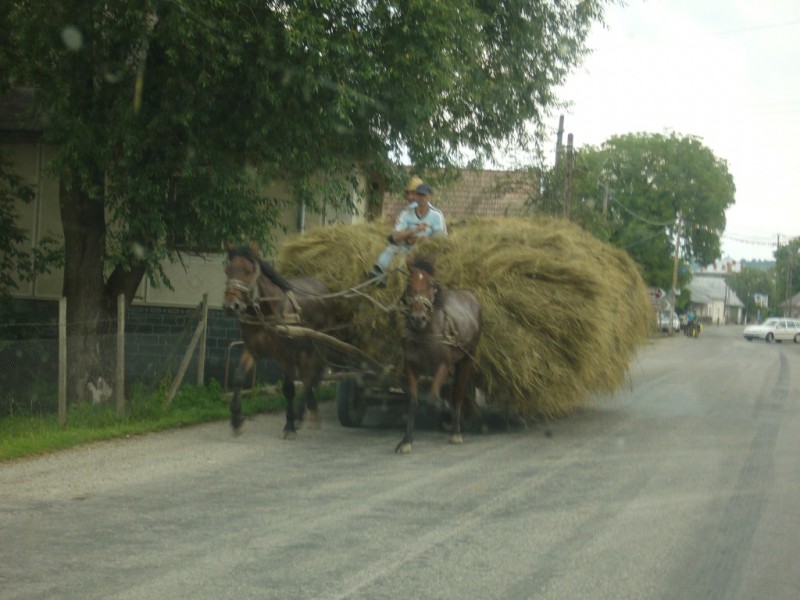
675 267
790 258
568 183
559 138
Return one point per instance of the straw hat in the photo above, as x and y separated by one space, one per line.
413 184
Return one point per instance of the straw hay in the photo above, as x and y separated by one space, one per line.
563 313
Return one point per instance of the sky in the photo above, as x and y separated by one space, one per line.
725 71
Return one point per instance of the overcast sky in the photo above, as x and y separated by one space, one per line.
727 71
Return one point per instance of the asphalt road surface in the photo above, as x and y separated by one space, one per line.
685 485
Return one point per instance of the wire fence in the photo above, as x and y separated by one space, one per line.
157 348
28 376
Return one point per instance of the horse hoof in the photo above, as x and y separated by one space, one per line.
236 431
456 439
289 434
403 448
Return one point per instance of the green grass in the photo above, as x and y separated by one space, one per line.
22 436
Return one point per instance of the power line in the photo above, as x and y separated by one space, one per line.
756 28
750 241
639 217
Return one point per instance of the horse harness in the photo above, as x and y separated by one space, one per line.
450 335
255 300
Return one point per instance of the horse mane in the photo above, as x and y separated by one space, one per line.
424 264
266 267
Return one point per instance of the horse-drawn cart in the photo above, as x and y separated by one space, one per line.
291 321
361 380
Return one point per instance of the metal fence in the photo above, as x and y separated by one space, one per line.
33 361
28 376
161 348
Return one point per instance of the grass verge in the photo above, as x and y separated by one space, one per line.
23 436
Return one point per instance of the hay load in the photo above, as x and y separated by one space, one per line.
563 313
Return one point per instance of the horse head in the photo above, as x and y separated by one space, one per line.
242 271
252 283
420 292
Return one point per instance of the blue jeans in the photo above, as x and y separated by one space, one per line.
392 250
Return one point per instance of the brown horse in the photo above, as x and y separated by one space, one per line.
443 328
261 298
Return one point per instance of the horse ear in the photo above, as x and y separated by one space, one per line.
228 246
254 247
432 260
409 260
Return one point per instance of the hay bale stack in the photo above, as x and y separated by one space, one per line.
563 313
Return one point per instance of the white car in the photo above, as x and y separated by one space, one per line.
774 329
663 322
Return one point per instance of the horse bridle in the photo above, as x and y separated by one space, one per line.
427 303
253 299
250 289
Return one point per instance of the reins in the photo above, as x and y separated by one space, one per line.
255 300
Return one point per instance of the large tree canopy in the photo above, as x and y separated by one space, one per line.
750 283
639 191
165 113
787 272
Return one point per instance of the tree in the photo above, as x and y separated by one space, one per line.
750 282
169 116
787 272
638 191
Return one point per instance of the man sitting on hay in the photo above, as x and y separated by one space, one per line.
419 220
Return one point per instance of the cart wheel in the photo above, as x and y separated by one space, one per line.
350 403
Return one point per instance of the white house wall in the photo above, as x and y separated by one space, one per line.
190 280
40 218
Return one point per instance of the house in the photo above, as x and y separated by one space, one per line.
713 301
476 193
791 307
725 266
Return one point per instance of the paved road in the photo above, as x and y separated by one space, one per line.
683 486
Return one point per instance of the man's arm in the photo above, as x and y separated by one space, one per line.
407 235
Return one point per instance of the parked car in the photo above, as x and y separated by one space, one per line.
774 329
664 319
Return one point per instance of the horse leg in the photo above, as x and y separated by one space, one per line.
404 447
479 423
439 377
311 374
289 431
311 382
462 375
246 363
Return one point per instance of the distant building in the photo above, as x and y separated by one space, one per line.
762 265
712 300
722 267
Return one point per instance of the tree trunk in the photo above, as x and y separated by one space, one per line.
91 301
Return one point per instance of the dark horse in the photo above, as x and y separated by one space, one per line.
443 328
260 297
